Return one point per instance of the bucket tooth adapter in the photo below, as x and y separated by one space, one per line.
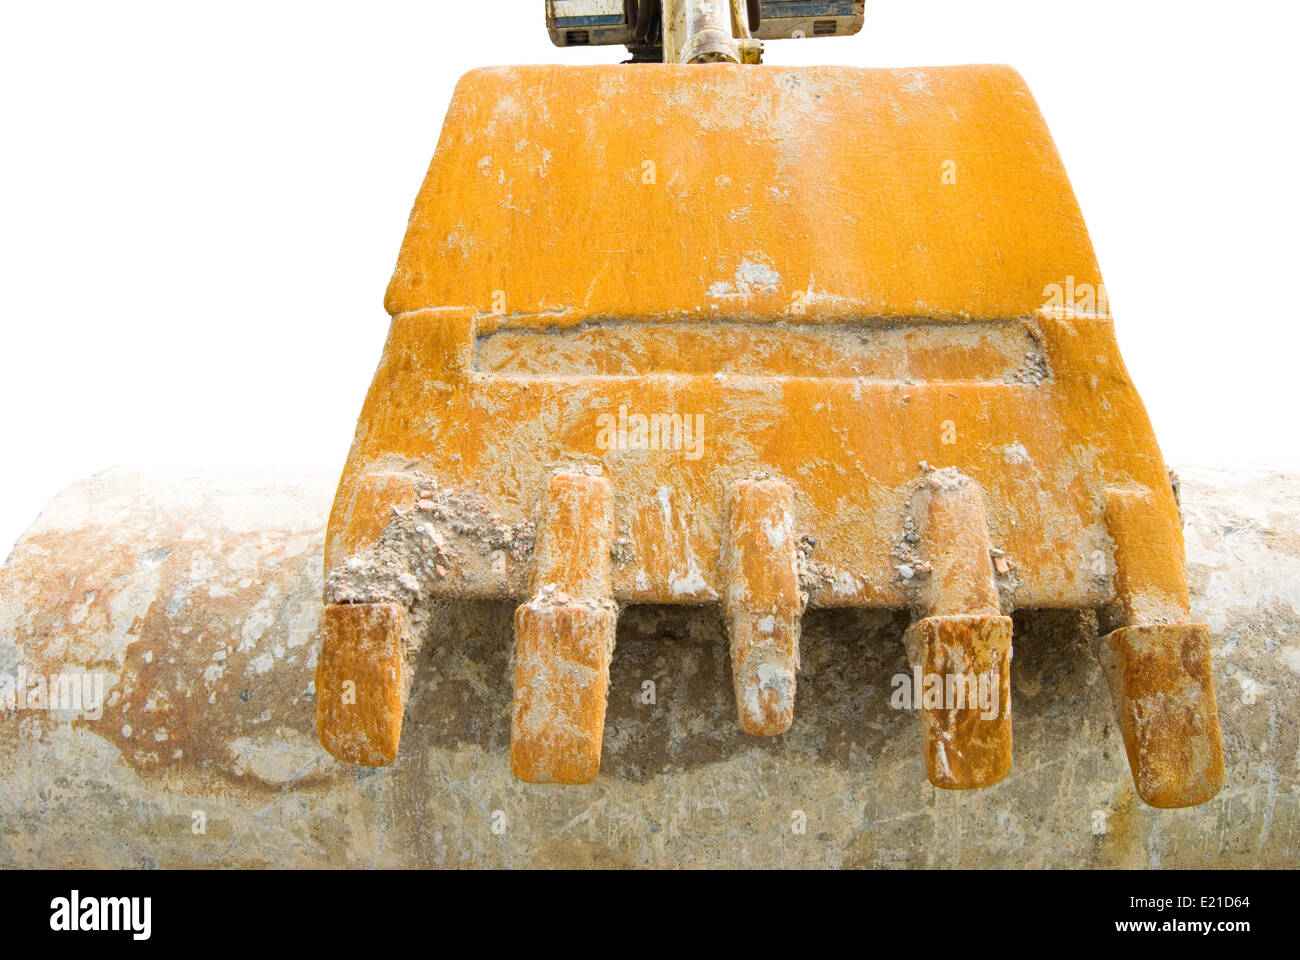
697 331
565 636
763 602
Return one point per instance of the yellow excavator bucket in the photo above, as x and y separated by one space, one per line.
766 338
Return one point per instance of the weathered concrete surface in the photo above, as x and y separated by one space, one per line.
199 599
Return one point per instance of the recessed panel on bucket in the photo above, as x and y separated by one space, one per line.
893 350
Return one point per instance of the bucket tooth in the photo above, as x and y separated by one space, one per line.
562 650
960 642
967 738
363 680
762 603
1157 661
564 637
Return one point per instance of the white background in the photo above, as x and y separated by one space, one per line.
201 203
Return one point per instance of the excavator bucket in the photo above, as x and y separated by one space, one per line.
766 338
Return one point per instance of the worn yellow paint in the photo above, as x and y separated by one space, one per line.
851 277
800 199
